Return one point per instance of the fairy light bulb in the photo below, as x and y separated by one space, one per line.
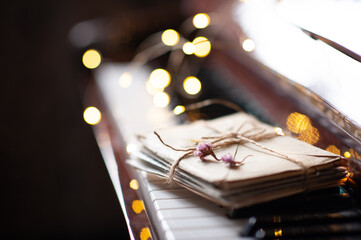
201 20
170 37
192 85
159 78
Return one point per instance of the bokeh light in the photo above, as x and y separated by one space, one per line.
151 89
297 122
202 46
138 206
347 154
125 80
178 110
159 78
170 37
133 184
92 115
201 20
92 59
248 45
333 149
192 85
145 234
188 48
131 147
161 99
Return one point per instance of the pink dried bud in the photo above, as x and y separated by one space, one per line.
203 150
228 158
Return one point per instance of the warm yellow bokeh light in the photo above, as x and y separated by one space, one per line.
278 232
333 149
202 46
151 89
248 45
279 131
92 115
192 85
138 206
159 78
297 122
125 80
145 234
170 37
347 154
188 48
178 110
133 184
311 135
92 59
161 99
201 20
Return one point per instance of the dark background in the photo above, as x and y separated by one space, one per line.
53 178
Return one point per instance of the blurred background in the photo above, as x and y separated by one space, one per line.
54 181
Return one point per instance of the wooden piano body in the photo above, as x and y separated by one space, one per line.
155 210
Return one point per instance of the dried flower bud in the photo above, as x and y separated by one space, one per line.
228 158
203 150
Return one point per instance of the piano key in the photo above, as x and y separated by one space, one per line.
207 233
207 211
181 203
202 222
172 194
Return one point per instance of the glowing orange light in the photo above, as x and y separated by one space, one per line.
297 122
333 149
311 135
138 206
133 184
145 234
278 232
347 154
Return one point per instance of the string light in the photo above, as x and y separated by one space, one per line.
92 115
192 85
145 234
188 48
133 184
347 154
170 37
248 45
91 59
201 20
202 46
161 99
125 80
178 110
159 78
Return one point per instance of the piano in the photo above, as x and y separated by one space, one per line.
290 64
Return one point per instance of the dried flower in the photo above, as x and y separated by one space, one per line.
203 150
228 158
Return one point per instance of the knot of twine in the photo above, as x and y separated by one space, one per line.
252 136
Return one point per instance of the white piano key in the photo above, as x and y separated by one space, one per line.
172 194
206 211
202 222
207 233
181 203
